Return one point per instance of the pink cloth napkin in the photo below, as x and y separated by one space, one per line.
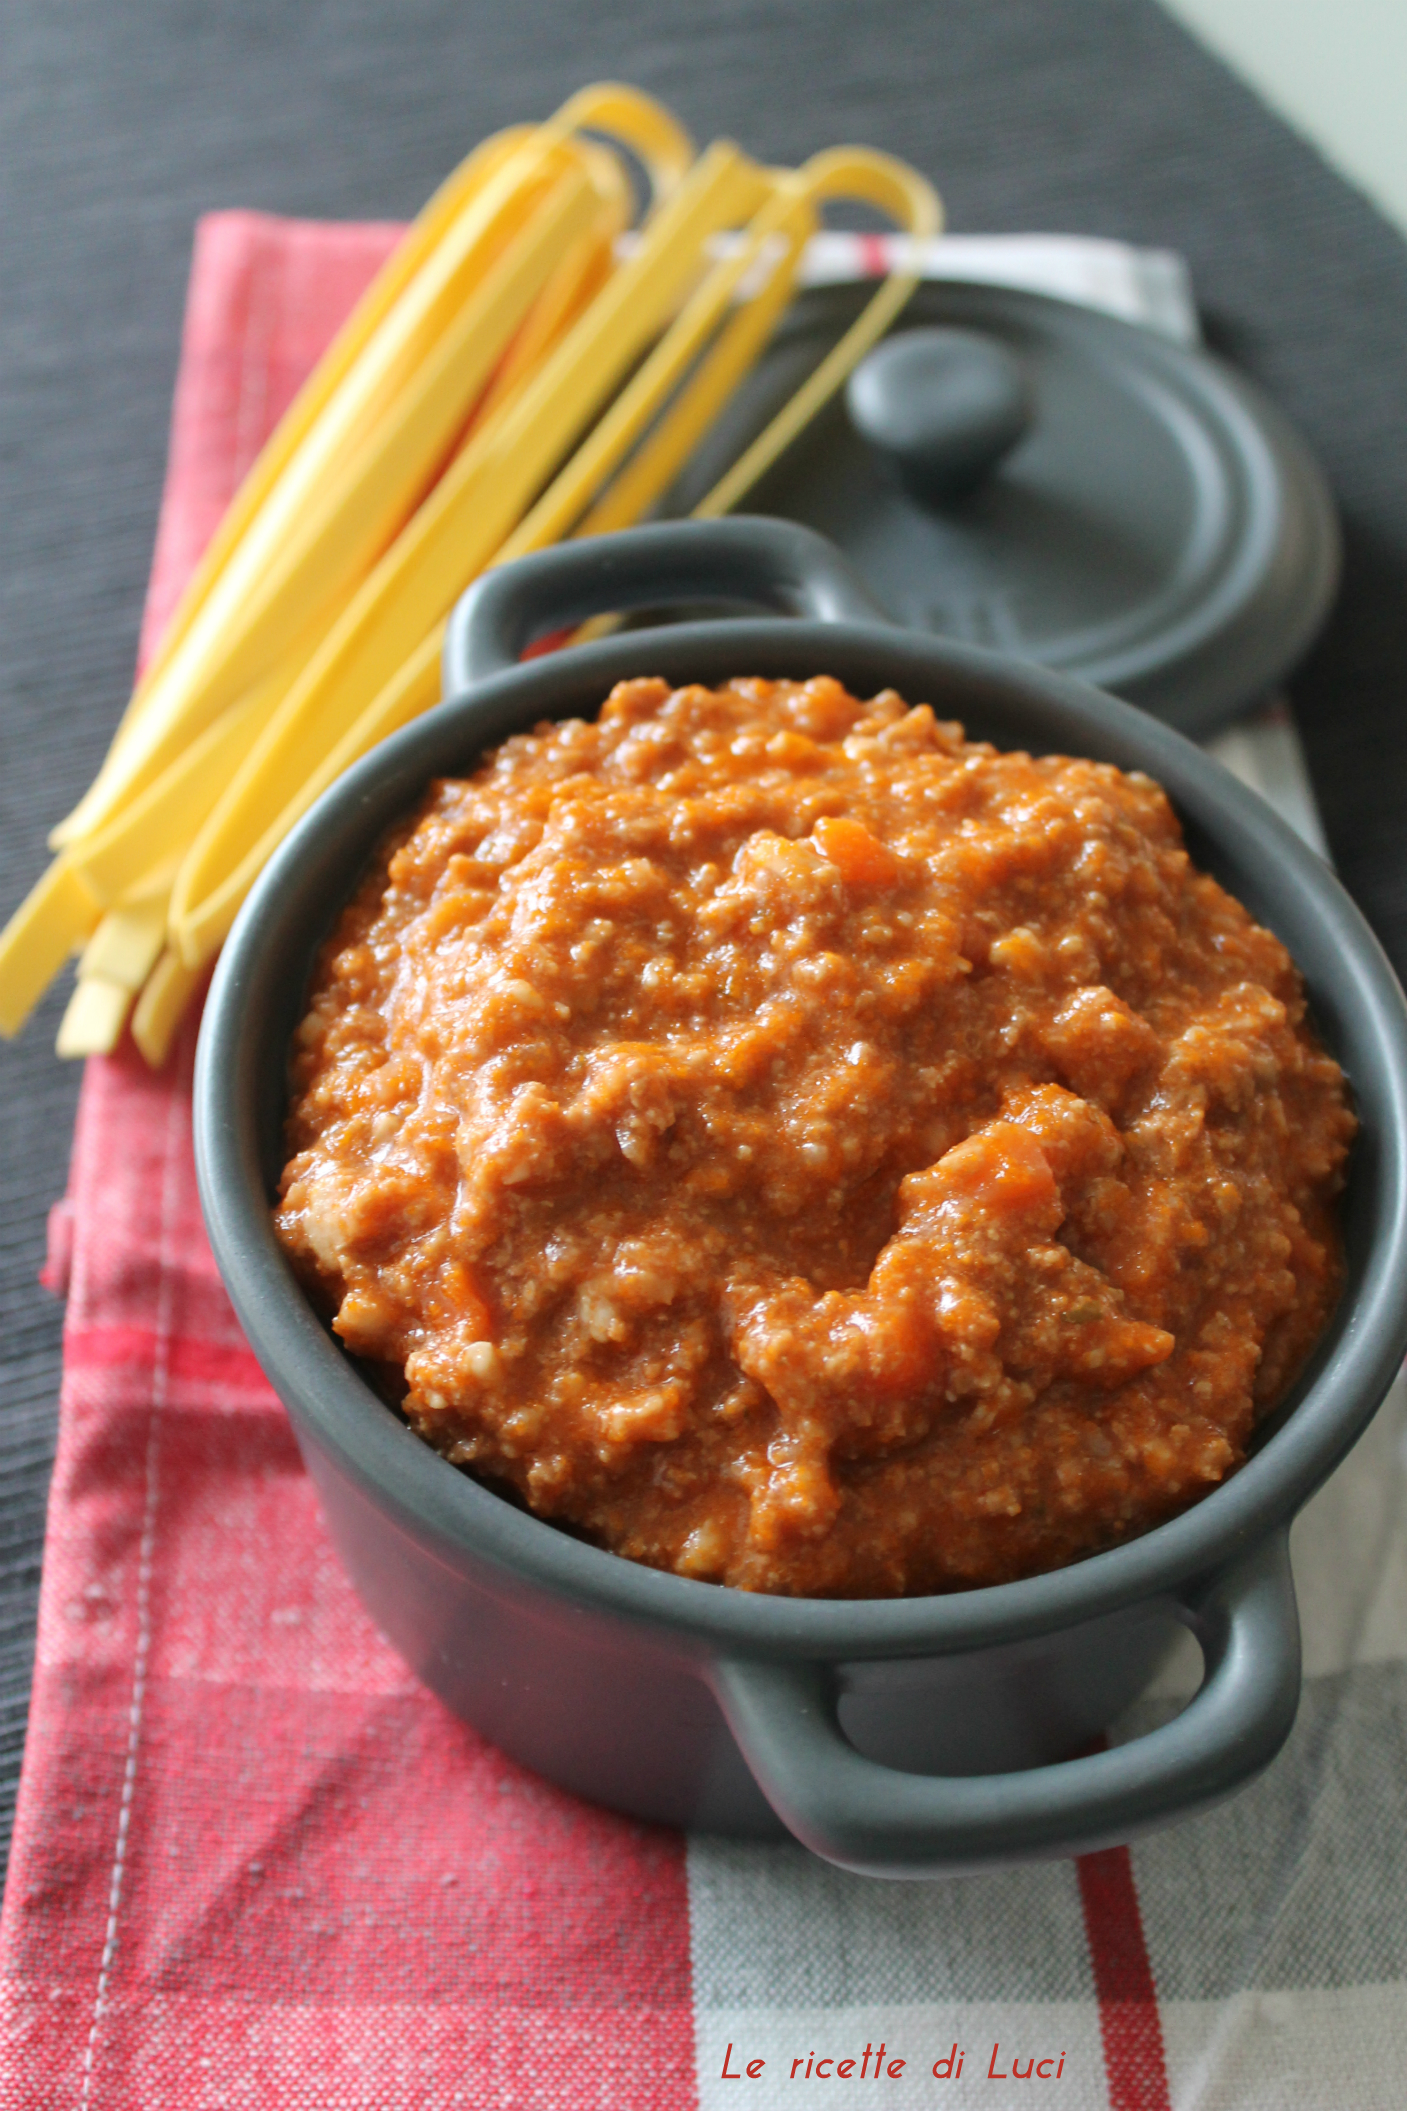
254 1862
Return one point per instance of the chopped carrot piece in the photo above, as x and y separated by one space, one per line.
862 859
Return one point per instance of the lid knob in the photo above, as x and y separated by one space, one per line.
942 407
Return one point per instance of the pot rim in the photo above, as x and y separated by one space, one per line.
309 877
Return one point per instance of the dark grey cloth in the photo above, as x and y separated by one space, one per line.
121 120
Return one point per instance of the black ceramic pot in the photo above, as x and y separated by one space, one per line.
907 1737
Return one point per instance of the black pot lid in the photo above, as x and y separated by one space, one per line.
1159 529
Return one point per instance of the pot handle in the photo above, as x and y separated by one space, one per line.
879 1821
774 562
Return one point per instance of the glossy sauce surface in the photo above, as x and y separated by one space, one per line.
799 1148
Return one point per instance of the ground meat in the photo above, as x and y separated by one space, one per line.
799 1148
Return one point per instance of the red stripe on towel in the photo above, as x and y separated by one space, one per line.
1129 2024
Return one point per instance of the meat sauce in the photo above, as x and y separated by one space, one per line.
797 1147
